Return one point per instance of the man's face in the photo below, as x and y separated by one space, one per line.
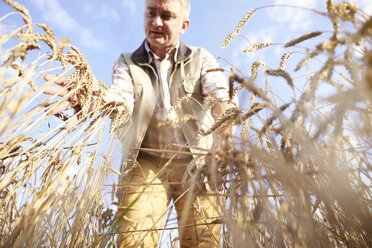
164 23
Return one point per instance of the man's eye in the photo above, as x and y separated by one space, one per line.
166 17
151 13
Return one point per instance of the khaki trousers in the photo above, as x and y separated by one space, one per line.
146 200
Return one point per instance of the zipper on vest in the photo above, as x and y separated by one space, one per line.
182 63
152 69
157 78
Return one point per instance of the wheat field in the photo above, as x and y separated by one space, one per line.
299 168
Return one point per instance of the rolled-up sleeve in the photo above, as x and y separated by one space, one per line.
121 89
213 82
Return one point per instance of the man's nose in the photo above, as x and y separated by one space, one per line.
157 21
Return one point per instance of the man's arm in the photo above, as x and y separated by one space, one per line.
222 140
66 89
218 111
120 93
121 89
215 82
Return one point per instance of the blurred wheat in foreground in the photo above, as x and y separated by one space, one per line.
299 170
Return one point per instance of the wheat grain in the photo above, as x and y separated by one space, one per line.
216 69
255 108
302 38
222 123
284 59
237 90
257 46
238 28
366 27
332 13
283 74
307 59
368 76
231 83
178 120
346 11
254 95
211 100
254 69
25 13
178 103
273 117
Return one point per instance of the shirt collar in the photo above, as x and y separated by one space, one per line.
152 55
140 55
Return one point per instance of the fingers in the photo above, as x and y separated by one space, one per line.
73 54
62 106
75 57
59 107
73 121
62 90
55 79
55 90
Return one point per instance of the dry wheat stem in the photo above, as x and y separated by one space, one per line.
302 38
178 120
178 103
216 69
283 74
284 59
254 69
238 28
332 13
223 122
257 46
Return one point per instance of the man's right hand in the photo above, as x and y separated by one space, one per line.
60 88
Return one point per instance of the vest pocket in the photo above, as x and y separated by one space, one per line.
192 88
138 90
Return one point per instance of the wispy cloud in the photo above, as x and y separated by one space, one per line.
131 5
87 39
53 13
106 12
101 11
294 17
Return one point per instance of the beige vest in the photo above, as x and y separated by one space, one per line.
184 81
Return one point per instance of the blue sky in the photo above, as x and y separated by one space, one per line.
104 29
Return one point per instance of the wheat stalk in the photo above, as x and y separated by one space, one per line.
238 28
283 74
178 120
284 59
302 38
255 47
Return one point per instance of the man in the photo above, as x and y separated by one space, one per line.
150 81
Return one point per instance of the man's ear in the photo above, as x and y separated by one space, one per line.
185 26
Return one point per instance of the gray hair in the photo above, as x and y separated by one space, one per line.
187 5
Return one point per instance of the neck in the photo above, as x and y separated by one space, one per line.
161 52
